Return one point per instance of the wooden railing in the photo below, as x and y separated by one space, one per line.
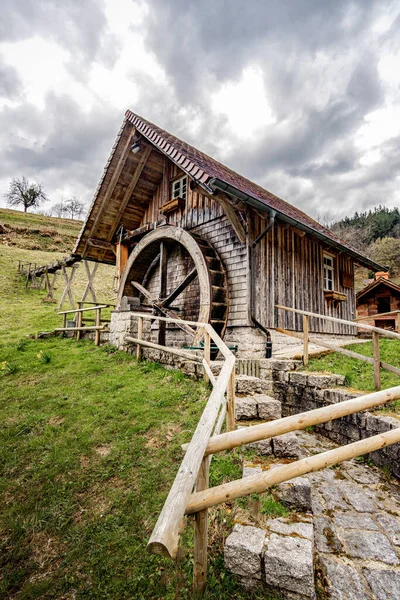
100 323
375 361
207 440
194 469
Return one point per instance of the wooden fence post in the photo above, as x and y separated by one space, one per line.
201 533
139 337
97 323
207 348
305 343
398 322
230 397
78 324
377 361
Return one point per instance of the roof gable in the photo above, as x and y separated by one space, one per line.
206 170
372 288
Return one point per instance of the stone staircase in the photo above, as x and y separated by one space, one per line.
341 538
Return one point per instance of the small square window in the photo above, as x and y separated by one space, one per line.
179 188
329 271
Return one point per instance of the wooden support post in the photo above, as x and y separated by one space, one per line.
163 289
201 533
97 323
89 285
78 323
68 283
207 349
64 321
398 322
50 286
305 331
230 396
377 361
139 337
28 275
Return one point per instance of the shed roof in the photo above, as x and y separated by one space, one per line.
209 174
372 287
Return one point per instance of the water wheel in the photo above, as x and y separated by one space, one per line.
180 275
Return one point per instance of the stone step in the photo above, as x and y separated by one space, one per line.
258 406
248 385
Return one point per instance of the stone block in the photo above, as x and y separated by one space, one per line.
342 581
289 564
298 378
352 521
326 539
247 384
245 408
268 407
391 527
249 469
243 550
384 583
287 446
284 526
356 497
295 493
368 545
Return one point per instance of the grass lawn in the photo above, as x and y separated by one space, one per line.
359 375
90 444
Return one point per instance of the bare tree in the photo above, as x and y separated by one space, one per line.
26 194
58 209
74 208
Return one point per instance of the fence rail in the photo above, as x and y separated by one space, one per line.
375 361
99 326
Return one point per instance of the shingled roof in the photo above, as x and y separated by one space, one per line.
209 174
205 169
378 283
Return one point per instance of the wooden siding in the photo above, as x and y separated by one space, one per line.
289 271
199 208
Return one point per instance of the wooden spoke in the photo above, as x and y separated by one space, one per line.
163 288
180 288
143 291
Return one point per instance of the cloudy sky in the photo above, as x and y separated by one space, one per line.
302 96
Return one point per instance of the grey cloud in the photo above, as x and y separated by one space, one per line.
10 84
79 26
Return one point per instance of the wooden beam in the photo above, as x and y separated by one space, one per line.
89 285
377 360
68 283
180 288
129 190
201 533
101 244
232 216
181 353
257 484
111 186
163 267
383 332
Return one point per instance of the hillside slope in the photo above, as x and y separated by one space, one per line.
37 232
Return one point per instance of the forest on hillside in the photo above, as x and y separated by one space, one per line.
376 233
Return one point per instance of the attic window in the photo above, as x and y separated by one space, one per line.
329 272
179 187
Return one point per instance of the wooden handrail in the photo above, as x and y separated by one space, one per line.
257 484
80 310
255 433
376 331
383 332
392 312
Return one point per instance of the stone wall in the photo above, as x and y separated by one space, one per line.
300 392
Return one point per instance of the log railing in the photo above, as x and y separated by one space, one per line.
194 469
375 361
99 326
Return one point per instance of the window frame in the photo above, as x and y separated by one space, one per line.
182 190
329 268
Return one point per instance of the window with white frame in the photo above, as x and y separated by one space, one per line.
179 188
329 271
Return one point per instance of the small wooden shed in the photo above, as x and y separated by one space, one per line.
189 236
377 302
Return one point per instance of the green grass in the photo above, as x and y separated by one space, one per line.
359 375
90 444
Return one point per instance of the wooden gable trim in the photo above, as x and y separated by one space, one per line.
231 214
129 190
111 187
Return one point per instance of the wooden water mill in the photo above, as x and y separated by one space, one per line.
177 274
